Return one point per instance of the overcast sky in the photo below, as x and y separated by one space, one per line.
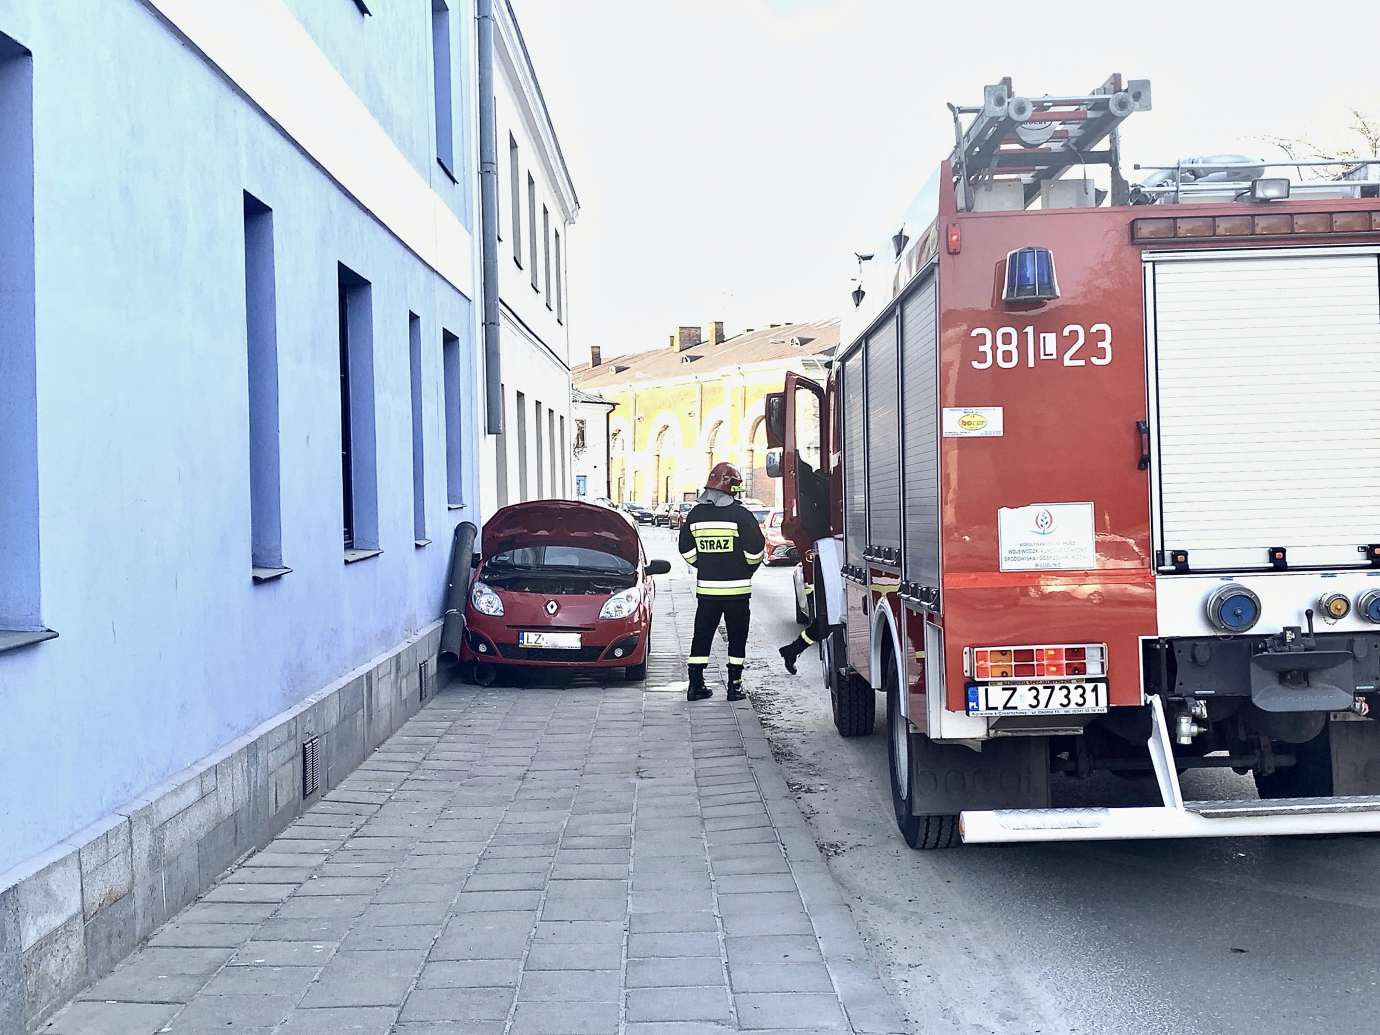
730 155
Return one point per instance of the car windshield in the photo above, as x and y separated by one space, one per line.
636 506
566 557
775 520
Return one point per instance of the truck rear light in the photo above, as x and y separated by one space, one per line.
1037 662
954 239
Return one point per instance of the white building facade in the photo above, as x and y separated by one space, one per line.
589 457
537 207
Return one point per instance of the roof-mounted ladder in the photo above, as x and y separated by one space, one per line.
1036 139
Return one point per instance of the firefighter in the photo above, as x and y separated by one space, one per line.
725 546
812 494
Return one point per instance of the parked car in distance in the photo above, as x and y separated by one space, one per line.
662 516
604 501
779 549
759 511
678 514
640 513
559 584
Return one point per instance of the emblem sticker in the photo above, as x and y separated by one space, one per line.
1047 537
972 422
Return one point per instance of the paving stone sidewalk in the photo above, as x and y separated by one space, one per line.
542 860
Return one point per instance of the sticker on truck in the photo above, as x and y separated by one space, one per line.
972 422
1046 537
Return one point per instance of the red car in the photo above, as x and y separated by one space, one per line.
779 549
560 584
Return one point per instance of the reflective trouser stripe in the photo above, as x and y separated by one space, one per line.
736 661
807 638
697 661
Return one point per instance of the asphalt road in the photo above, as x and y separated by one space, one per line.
1255 935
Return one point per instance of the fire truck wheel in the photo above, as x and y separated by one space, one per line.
1309 777
855 704
919 831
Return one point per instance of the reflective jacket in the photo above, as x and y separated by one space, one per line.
725 546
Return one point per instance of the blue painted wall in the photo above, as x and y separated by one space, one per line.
167 650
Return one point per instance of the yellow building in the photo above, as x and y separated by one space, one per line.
683 408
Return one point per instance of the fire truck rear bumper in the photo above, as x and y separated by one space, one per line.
1284 816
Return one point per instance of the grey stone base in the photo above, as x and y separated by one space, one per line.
68 916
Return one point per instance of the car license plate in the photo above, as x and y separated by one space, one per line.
550 640
1061 698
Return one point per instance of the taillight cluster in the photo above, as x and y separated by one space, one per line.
1059 662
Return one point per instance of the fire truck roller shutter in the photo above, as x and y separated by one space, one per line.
920 441
854 461
1268 372
884 463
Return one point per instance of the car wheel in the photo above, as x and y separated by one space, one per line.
636 673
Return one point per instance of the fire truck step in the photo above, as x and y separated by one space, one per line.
1285 806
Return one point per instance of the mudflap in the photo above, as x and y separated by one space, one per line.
1008 773
1355 749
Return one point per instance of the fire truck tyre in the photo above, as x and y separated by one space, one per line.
855 705
919 831
1309 777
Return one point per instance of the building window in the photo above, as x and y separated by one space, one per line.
20 616
532 226
501 448
522 445
515 197
579 435
455 468
541 457
551 444
560 282
565 486
358 473
261 332
414 355
441 79
546 251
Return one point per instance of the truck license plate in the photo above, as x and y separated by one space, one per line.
550 640
1062 698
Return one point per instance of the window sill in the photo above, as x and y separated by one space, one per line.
517 262
351 556
13 640
455 506
363 7
268 574
447 169
549 309
419 543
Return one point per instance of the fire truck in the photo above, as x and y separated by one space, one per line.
1094 485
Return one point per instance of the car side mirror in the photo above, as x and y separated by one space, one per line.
774 463
776 420
658 567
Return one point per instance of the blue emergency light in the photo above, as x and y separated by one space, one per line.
1030 276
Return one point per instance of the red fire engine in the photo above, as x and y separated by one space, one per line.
1097 487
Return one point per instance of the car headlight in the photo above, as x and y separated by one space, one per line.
620 605
485 600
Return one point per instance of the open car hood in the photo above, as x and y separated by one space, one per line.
560 523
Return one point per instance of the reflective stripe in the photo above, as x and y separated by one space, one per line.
714 526
724 582
754 558
744 591
689 554
698 661
736 661
809 640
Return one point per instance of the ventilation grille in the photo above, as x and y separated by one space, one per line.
311 766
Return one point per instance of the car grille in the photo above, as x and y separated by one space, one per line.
516 653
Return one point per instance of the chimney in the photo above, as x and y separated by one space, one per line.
685 338
595 355
716 332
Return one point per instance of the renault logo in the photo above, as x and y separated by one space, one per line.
552 607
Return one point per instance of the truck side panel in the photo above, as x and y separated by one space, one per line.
854 405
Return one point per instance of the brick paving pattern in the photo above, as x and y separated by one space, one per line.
575 860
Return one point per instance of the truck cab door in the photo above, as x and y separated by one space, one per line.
797 427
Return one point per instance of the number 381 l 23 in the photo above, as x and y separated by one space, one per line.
1009 347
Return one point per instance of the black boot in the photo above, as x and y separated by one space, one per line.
697 691
735 683
791 653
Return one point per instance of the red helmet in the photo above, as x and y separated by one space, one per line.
724 477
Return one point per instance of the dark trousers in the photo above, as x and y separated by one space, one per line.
736 613
810 635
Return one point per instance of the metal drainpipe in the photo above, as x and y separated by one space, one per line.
488 212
